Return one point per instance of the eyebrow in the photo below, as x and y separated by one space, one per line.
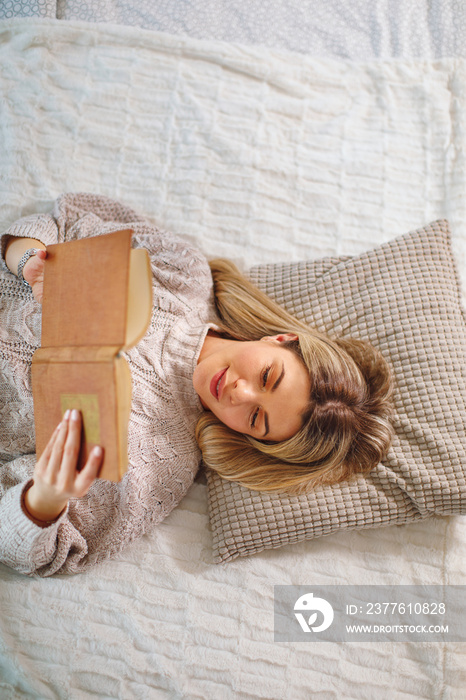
275 386
279 378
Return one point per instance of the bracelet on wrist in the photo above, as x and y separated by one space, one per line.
23 260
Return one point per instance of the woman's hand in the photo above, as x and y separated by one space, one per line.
56 478
33 273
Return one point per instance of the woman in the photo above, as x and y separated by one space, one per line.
270 402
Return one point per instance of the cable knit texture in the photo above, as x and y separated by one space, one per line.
162 452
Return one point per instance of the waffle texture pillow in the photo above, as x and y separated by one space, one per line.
405 298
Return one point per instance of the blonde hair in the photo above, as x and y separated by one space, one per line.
346 428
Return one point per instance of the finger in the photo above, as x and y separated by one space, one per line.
45 456
72 448
54 462
89 473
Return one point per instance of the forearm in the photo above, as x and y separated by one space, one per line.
15 249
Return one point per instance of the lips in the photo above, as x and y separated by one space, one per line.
217 383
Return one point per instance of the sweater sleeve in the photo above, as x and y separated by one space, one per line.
73 216
42 227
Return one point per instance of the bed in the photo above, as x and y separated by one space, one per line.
264 132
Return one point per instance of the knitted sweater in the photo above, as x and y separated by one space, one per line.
162 451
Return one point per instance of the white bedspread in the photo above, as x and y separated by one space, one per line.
258 156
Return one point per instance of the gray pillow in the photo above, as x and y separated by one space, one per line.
405 298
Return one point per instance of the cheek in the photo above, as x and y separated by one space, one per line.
231 417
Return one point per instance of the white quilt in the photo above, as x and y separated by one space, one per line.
258 156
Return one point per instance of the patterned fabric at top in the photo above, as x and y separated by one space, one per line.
162 451
361 30
28 8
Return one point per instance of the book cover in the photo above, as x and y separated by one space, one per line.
97 302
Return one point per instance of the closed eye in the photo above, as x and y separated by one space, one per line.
274 388
265 376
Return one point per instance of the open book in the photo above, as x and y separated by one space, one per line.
97 302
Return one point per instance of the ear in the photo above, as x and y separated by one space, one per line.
281 338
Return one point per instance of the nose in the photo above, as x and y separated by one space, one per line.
242 392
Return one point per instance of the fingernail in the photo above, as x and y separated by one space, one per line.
97 452
75 414
67 414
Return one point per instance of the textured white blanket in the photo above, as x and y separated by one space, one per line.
260 157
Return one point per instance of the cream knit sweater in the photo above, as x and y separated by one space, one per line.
163 454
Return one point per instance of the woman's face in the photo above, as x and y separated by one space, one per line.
259 388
